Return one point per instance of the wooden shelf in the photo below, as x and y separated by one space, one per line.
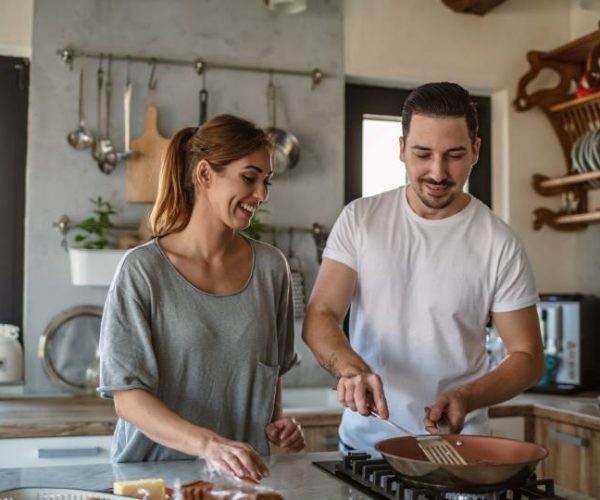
571 119
573 103
575 51
479 7
578 218
547 186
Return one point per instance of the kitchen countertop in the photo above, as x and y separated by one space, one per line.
293 476
81 416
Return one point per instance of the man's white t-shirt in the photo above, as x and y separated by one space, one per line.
424 292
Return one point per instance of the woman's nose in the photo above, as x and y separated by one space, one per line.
262 192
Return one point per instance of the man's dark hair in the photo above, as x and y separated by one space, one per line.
440 99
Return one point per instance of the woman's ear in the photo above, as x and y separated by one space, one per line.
203 174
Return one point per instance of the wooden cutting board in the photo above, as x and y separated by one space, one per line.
143 168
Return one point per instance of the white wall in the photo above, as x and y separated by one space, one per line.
414 41
16 23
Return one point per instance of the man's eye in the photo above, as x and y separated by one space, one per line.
422 157
455 157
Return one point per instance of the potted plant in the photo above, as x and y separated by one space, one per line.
94 257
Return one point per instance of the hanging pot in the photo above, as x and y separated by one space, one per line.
286 148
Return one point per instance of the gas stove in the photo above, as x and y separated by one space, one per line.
375 477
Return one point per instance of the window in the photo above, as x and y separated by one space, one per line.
373 127
14 87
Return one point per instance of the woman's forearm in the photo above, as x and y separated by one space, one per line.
159 423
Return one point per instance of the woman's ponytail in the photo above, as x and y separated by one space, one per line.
175 197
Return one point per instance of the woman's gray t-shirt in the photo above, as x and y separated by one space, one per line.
214 359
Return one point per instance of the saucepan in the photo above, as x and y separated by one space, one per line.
286 148
491 462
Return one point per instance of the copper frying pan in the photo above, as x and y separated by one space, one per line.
491 462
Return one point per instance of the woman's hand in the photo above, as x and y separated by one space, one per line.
234 458
287 434
362 393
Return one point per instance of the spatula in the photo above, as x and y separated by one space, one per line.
435 447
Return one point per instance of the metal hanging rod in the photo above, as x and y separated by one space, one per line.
65 224
199 65
318 231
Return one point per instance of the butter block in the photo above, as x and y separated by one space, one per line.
148 489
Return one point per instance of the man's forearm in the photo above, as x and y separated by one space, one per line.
322 333
513 375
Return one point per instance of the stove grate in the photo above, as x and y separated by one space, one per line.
375 477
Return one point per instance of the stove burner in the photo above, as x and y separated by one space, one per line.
376 478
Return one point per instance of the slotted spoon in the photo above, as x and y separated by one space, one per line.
435 447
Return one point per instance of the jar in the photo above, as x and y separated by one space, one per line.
11 354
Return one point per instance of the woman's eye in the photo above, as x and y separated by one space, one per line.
268 183
248 179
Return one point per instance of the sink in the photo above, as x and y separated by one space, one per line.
322 399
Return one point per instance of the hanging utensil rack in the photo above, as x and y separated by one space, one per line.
68 54
64 224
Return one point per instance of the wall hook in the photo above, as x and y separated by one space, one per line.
152 81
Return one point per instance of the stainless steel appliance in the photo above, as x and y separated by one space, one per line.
376 477
570 326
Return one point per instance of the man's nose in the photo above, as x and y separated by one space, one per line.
438 171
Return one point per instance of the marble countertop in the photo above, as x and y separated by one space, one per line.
293 476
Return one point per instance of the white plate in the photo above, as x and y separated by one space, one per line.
575 154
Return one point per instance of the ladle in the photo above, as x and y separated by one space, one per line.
81 137
106 155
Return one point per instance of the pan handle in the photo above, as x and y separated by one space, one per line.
568 438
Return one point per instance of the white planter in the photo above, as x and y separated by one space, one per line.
94 267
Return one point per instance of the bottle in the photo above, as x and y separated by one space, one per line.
11 354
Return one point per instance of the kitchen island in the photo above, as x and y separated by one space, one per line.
293 476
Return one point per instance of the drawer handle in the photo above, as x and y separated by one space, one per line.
330 441
569 438
68 452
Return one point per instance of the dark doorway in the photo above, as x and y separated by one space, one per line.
363 101
14 93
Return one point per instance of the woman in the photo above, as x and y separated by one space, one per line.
198 326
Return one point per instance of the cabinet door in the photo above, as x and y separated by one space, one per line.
44 452
318 438
574 455
321 438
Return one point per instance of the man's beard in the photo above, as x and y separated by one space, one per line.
435 203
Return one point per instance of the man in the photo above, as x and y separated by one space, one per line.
424 267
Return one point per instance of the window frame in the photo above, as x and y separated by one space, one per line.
363 100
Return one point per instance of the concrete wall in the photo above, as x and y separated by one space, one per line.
16 22
61 180
411 42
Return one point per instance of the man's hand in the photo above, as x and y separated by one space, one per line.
287 434
362 393
450 408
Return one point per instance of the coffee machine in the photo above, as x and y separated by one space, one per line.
570 326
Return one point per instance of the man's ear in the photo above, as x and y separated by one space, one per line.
475 149
402 146
203 174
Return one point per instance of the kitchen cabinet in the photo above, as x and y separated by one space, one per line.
51 451
571 118
574 455
320 431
